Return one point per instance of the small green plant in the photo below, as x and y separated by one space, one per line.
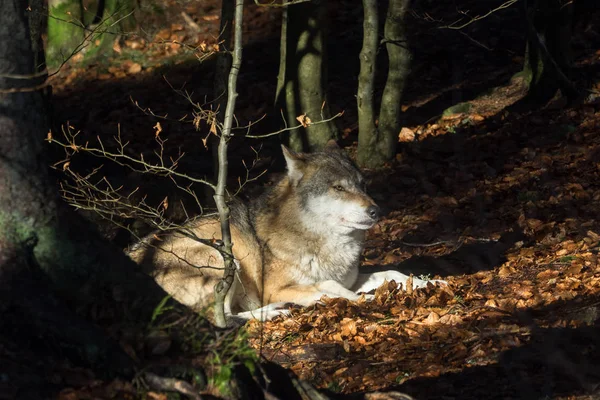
425 277
334 386
232 350
402 376
290 337
568 259
160 309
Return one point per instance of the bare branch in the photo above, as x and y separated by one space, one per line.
459 25
119 157
294 127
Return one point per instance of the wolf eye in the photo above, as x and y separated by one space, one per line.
339 188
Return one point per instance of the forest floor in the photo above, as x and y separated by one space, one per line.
501 204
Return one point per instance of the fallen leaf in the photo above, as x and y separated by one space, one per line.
134 68
406 135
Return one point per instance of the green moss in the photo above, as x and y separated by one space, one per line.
459 108
65 31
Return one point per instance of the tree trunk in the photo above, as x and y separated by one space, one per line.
367 129
28 201
399 59
222 68
118 17
303 75
548 53
37 16
43 248
65 30
377 146
222 288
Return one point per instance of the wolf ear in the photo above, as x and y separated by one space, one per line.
331 145
295 163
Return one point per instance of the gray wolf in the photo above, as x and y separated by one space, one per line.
300 240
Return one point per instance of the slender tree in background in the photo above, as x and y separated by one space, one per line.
70 30
548 54
222 288
365 102
303 75
377 142
113 18
65 29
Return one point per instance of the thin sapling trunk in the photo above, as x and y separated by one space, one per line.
224 285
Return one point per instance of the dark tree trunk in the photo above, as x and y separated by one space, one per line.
44 248
303 75
37 22
548 53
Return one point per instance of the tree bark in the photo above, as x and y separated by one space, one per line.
37 14
399 60
223 64
222 288
28 204
303 75
44 249
377 144
222 69
117 17
548 52
367 129
120 15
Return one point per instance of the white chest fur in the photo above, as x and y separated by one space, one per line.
335 258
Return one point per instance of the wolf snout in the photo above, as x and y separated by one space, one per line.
374 212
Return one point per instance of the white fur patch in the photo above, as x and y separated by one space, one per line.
336 259
367 282
336 215
265 313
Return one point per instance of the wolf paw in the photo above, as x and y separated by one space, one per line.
265 313
421 283
368 282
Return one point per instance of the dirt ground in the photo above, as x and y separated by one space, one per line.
501 204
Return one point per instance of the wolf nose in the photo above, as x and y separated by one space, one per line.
373 212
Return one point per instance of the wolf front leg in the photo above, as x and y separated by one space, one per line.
367 282
303 295
306 295
265 313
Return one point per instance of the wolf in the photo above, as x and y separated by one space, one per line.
300 240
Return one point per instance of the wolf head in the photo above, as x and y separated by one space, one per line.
331 189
